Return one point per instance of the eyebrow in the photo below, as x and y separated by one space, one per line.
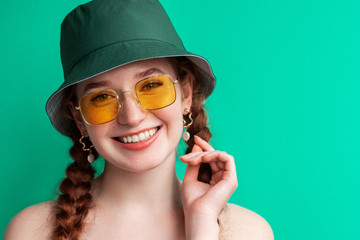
141 74
148 72
95 85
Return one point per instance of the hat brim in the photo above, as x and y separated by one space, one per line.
116 55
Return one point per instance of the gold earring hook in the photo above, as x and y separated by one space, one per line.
187 125
84 145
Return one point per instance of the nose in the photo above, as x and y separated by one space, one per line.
131 113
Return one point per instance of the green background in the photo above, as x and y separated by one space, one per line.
286 105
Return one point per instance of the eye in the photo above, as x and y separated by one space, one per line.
101 97
150 85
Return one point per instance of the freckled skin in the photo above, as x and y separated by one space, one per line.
133 118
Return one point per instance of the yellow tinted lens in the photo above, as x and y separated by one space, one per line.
156 92
99 107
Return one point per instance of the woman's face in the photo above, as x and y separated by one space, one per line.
162 128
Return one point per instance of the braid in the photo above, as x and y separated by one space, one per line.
75 200
200 120
199 128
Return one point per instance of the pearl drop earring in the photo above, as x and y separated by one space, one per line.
186 134
91 156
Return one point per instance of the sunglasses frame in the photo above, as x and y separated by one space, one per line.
138 102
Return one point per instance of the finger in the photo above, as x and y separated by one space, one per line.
196 148
225 185
221 192
197 158
191 173
204 145
216 155
222 160
214 166
218 160
220 165
190 156
194 159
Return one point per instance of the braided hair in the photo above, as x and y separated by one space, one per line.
200 119
75 200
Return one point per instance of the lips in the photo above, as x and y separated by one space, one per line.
139 140
139 137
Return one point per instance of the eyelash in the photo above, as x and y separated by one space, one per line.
146 86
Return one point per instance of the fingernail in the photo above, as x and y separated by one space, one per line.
186 156
195 156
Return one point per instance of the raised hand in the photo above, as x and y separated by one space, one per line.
204 201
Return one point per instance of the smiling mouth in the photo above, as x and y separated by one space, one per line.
138 137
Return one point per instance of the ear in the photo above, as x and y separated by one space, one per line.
76 115
187 91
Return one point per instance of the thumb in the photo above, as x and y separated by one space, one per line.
196 148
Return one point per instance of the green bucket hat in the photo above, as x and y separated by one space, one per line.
104 34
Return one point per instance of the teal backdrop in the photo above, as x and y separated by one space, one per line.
286 105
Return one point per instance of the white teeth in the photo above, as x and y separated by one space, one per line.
139 137
135 138
147 135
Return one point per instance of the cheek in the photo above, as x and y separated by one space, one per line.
172 117
96 133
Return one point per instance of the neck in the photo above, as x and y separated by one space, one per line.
153 190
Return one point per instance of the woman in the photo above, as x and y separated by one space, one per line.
130 88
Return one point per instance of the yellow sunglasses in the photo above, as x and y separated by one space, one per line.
103 106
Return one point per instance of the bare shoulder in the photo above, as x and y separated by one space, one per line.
33 222
240 223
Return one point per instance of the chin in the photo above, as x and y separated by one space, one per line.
161 154
144 162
